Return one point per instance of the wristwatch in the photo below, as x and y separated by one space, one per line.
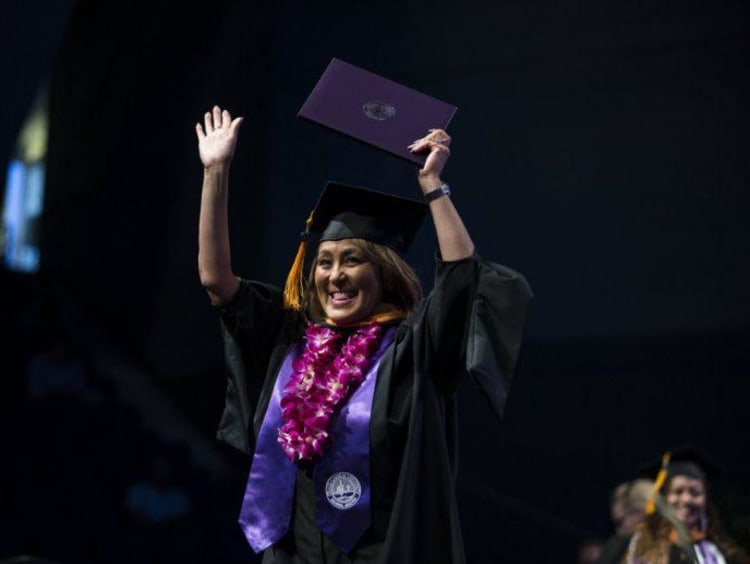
439 192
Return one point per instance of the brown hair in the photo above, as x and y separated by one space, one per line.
652 537
401 286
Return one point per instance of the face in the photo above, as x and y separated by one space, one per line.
687 496
347 285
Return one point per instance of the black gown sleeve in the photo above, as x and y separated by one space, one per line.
474 318
250 324
495 329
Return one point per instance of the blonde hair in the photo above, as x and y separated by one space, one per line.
401 286
637 494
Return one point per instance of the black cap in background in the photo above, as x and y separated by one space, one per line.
684 460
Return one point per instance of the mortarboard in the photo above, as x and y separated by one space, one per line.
344 212
684 460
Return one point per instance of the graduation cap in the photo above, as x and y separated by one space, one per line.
684 460
344 212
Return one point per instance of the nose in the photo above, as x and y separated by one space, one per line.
337 272
687 499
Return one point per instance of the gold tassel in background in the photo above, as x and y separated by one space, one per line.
661 477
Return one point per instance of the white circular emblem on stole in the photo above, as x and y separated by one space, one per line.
343 490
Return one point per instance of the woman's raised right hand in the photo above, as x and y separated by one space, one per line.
217 138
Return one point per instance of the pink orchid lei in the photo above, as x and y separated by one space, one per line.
323 377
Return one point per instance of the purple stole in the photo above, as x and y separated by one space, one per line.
706 553
341 475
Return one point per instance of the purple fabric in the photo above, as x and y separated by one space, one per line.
373 109
342 475
267 505
707 554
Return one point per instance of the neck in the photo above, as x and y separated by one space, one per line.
383 314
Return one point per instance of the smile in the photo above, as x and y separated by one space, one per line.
341 298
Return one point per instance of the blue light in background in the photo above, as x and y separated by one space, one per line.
22 210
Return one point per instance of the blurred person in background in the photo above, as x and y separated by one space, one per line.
682 524
627 509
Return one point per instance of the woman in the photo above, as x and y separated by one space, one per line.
343 390
681 524
627 509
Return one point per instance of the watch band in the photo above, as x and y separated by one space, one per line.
439 192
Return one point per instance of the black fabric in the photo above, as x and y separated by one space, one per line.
344 212
614 550
305 544
687 468
471 322
685 460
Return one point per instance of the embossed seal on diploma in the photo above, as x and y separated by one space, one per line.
378 110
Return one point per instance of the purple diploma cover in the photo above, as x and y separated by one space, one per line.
374 110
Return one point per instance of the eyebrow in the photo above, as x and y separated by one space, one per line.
346 251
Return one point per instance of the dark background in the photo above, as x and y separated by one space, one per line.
600 148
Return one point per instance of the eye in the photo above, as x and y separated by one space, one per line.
353 260
324 262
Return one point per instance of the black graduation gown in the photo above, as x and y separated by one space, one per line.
471 323
613 550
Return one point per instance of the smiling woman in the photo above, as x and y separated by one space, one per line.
342 386
687 496
400 287
682 524
347 285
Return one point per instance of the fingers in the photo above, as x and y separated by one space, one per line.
440 136
209 122
217 120
235 125
217 117
433 146
436 140
226 118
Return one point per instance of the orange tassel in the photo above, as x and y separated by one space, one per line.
661 477
294 288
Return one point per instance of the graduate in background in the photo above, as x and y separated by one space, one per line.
627 508
342 388
681 524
